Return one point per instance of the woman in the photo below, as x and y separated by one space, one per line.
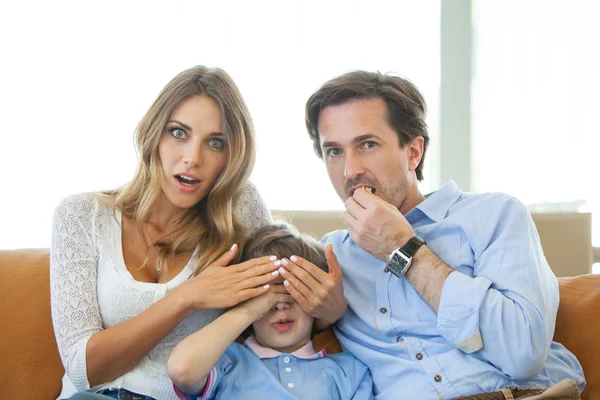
135 270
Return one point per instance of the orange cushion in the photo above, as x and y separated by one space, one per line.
328 341
578 326
30 362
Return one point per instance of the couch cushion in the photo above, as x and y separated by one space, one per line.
578 326
30 363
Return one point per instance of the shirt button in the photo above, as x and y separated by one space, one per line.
288 369
382 310
419 357
386 270
286 360
290 385
437 378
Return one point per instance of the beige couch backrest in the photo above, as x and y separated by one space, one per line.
566 237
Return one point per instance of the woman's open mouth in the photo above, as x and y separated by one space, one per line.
187 183
187 180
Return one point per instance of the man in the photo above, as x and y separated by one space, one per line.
448 294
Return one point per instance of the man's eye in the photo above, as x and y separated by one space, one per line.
333 152
369 145
178 133
216 143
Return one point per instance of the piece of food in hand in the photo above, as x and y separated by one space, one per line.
370 189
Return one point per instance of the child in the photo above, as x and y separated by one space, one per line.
277 361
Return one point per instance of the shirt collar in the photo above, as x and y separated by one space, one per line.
437 204
306 352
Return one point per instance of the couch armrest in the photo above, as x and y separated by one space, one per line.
29 355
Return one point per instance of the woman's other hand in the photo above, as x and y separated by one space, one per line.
223 286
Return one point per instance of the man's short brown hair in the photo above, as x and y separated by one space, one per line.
406 108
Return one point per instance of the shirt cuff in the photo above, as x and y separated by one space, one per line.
458 313
77 366
211 381
181 395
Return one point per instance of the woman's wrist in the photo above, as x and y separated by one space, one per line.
184 301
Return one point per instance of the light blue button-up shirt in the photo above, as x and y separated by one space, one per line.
242 374
497 311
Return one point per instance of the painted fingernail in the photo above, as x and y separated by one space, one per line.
284 262
277 263
294 258
281 271
272 258
266 286
275 273
286 283
233 247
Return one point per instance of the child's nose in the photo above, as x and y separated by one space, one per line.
281 306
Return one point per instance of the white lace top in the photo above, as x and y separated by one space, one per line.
91 289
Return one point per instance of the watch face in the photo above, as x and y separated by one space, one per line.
399 264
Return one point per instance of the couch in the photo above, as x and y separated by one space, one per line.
30 367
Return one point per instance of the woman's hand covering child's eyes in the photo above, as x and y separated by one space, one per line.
223 286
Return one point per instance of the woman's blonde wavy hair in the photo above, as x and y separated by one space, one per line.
212 223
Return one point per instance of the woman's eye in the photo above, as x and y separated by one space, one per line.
216 143
178 133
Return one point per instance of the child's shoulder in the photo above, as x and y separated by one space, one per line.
237 357
347 360
345 356
240 353
238 349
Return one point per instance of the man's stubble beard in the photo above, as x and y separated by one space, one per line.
396 195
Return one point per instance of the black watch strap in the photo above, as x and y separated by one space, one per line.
411 247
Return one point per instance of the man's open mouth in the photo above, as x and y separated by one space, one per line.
368 188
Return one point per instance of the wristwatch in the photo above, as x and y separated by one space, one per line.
401 259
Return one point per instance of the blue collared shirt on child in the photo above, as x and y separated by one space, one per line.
497 311
251 371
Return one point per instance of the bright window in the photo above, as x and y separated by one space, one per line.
536 99
76 77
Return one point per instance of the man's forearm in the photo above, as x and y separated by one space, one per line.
427 274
